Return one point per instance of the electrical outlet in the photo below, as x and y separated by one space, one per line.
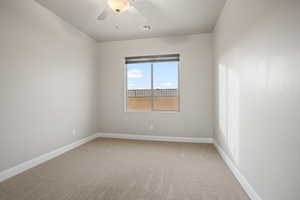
74 132
151 127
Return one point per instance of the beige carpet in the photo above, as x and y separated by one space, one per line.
109 169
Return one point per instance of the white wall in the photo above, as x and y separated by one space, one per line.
48 82
195 117
257 48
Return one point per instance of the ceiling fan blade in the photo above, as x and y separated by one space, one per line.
104 14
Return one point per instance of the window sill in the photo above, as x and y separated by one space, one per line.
151 111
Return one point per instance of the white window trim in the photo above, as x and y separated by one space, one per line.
151 111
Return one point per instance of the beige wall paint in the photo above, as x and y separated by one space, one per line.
257 46
195 117
48 82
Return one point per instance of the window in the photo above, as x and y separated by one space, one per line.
152 83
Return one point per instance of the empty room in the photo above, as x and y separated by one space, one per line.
149 99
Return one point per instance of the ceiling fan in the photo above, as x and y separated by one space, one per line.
145 7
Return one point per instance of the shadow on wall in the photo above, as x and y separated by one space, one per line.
229 109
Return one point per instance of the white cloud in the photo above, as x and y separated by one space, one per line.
135 73
168 85
131 86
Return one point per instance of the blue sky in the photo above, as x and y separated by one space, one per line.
165 75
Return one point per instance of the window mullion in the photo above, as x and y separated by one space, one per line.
152 91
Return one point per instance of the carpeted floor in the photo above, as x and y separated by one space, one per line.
111 169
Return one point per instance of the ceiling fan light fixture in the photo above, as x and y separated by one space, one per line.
118 5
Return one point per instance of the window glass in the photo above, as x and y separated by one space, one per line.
153 83
165 86
139 86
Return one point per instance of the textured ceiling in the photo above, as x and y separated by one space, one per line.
166 17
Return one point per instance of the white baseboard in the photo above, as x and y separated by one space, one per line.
155 138
45 157
239 176
8 173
